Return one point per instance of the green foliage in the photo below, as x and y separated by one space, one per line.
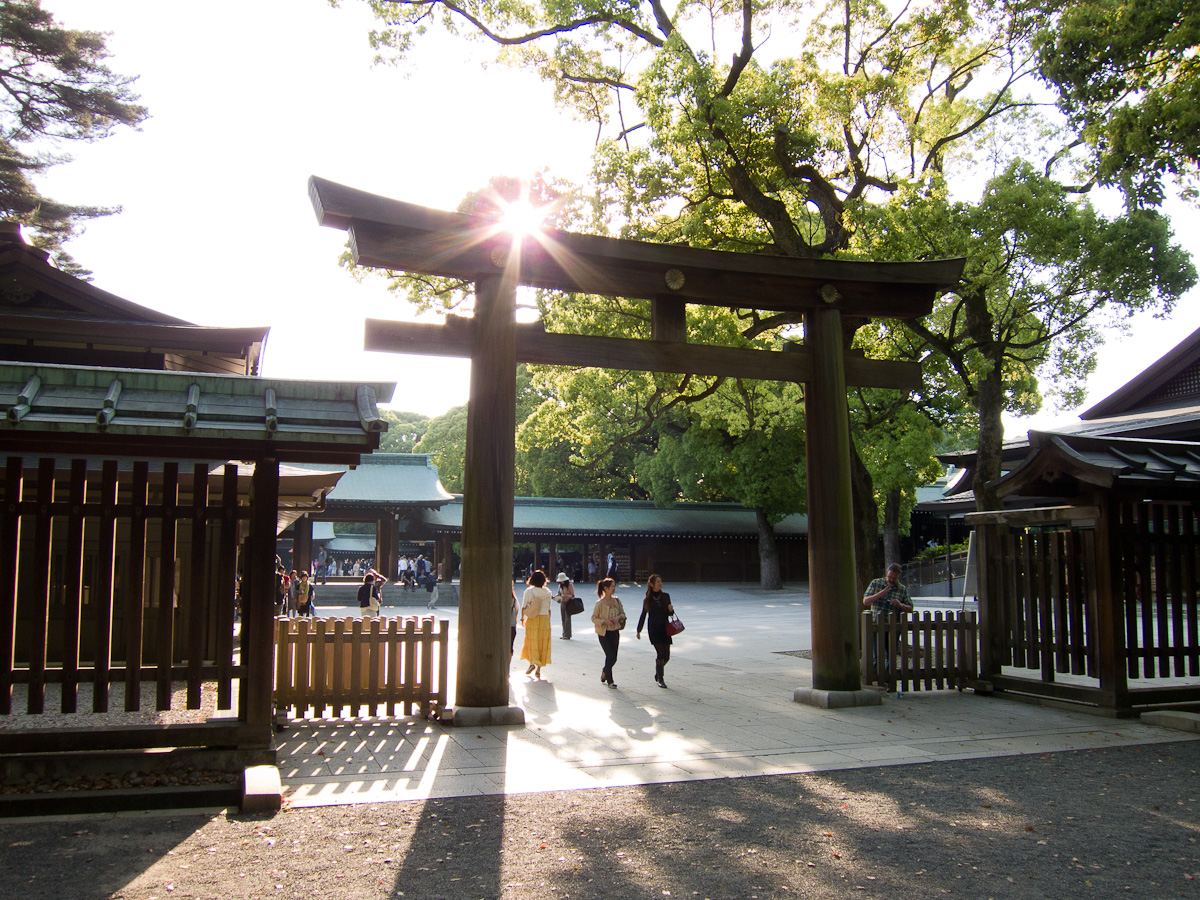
54 87
405 430
860 129
1128 77
445 440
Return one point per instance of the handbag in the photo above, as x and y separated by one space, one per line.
674 626
574 606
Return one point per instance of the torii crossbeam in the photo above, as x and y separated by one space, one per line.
392 234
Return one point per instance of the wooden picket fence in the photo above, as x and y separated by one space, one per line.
361 667
932 651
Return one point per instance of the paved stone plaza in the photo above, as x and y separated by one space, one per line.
728 713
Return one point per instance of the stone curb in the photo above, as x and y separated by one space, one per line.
837 699
1173 719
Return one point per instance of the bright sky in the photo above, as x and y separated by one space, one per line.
249 98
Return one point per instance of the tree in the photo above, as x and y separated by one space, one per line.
405 430
54 87
876 139
445 440
1128 78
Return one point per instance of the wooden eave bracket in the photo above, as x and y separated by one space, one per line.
109 409
25 399
368 412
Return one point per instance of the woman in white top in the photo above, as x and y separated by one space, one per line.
608 616
535 615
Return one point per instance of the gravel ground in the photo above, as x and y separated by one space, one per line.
1100 823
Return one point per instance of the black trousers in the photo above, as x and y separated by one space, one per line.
610 641
566 619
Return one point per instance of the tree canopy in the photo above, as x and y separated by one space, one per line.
858 129
55 87
1128 77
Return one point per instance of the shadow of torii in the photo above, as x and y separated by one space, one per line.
401 236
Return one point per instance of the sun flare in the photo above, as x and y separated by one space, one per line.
521 217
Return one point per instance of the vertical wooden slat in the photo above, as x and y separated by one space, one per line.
1175 568
196 584
134 587
972 640
1147 598
40 601
1045 611
357 650
226 588
395 678
305 640
426 665
939 649
1105 635
320 668
164 655
10 526
104 595
1127 539
1076 598
410 663
1190 548
339 670
923 650
1058 599
989 596
1029 604
258 573
73 605
1162 614
443 695
1014 628
375 662
283 681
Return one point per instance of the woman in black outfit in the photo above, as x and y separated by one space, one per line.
657 608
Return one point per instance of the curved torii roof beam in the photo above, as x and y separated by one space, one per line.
393 234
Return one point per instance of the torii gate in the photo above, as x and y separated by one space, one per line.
392 234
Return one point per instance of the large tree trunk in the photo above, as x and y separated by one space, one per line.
989 401
868 550
768 553
891 528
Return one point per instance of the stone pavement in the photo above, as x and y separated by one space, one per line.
728 713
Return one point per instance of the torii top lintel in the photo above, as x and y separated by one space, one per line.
386 233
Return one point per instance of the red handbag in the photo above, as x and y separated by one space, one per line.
674 626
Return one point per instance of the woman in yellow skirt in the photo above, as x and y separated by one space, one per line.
535 616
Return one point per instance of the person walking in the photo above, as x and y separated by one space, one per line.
656 610
535 615
369 594
299 599
608 616
564 596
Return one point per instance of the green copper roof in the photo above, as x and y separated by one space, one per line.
389 480
534 516
232 416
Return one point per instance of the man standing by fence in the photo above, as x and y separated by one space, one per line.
887 599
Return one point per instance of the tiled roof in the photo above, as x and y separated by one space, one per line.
1062 459
228 415
390 479
540 515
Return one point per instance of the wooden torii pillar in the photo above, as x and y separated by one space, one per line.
400 236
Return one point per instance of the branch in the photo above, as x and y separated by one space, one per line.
529 37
